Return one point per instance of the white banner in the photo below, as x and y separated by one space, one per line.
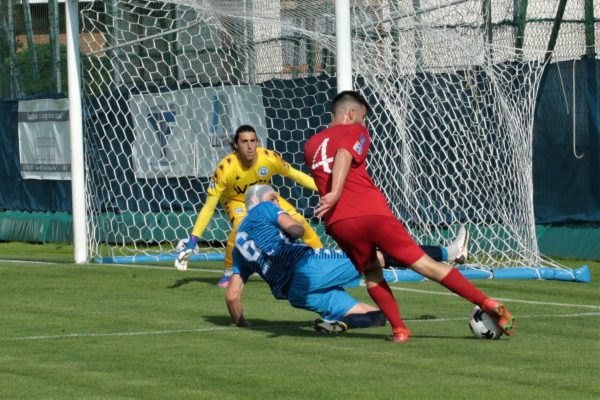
44 144
186 133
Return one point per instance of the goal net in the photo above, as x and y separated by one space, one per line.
167 83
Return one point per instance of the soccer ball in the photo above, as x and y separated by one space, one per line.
483 325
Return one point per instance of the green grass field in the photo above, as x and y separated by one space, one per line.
150 332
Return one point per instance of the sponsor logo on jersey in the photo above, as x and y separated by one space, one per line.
263 171
239 210
212 185
358 148
362 139
242 189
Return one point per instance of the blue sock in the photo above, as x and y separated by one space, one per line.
444 254
192 242
366 320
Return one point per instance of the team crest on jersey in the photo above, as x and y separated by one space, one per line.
358 148
263 171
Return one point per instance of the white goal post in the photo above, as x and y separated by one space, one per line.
80 240
165 84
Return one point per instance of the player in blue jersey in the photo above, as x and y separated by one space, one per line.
311 279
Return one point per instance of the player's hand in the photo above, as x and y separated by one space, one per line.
181 245
326 203
182 259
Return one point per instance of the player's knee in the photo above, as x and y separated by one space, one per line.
373 272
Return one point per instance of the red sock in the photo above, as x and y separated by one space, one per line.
383 297
456 282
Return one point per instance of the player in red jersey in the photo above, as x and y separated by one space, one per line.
358 217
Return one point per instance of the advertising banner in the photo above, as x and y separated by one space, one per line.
44 144
186 133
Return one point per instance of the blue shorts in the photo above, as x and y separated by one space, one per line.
319 281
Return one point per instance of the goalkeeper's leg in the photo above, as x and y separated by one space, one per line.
224 281
236 213
310 236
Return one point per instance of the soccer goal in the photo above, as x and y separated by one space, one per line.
165 84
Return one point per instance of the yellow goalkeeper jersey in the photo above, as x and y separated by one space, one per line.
231 179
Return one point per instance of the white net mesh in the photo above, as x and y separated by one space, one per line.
454 141
167 83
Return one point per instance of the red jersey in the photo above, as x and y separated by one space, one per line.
360 197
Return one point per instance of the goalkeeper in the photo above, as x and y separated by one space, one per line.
246 166
310 279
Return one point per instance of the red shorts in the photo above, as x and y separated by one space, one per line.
359 237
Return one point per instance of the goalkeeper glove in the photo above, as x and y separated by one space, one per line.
182 259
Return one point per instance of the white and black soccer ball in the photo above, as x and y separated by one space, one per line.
483 325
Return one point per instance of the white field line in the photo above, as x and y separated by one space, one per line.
214 329
27 262
257 327
543 303
36 263
114 334
519 317
218 271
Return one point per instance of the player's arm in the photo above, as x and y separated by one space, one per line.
233 299
339 173
290 226
213 195
301 178
205 215
201 223
285 169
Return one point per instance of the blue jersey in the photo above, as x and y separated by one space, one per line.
262 247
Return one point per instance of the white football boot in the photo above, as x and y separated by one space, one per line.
458 250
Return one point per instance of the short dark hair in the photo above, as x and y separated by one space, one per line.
346 97
236 136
